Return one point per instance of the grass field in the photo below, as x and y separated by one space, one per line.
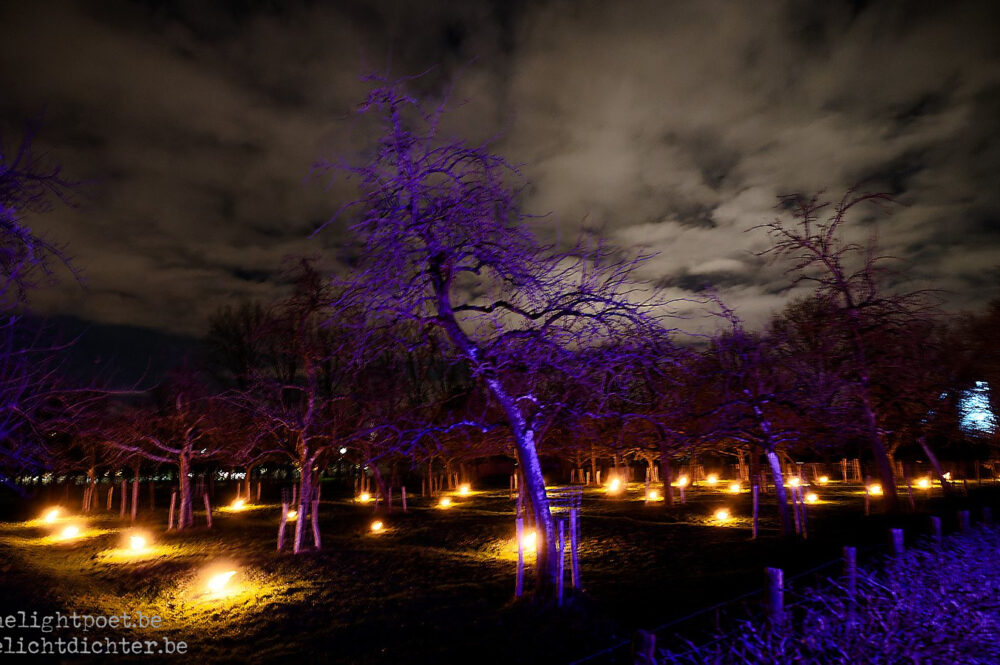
434 586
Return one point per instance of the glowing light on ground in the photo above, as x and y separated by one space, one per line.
529 540
712 478
464 489
238 505
812 497
735 488
794 481
682 481
137 543
291 515
614 486
69 533
947 475
924 483
219 582
377 526
823 480
875 489
364 497
722 514
51 515
652 495
444 503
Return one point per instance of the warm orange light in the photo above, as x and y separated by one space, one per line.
924 483
137 543
51 515
217 583
652 495
735 488
812 497
364 497
69 533
722 514
614 486
875 489
291 515
464 489
794 481
238 504
712 478
377 526
947 475
682 481
823 480
529 540
445 502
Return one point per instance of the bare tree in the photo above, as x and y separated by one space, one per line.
444 249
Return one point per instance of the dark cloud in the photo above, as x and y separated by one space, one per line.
670 127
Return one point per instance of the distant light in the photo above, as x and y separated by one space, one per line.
722 514
364 497
377 526
735 488
217 583
652 495
51 515
445 502
682 481
812 497
923 483
238 504
947 475
69 533
529 540
343 451
137 543
794 481
712 478
291 515
464 489
823 480
875 489
614 486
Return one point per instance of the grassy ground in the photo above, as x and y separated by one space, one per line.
434 586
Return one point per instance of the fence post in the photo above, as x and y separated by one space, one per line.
987 515
851 570
775 595
519 579
964 524
936 529
896 535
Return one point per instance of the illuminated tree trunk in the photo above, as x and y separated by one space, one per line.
185 519
779 491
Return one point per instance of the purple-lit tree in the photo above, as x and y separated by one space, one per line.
444 251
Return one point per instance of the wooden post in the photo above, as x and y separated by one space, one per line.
124 498
574 540
259 483
403 495
315 524
561 568
208 511
281 526
111 494
519 579
964 525
644 648
896 535
775 595
851 570
936 529
173 502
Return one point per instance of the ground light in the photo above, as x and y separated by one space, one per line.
219 583
69 533
291 515
682 481
364 497
445 502
529 540
722 514
712 478
464 489
812 497
51 515
823 480
735 488
614 486
794 481
652 495
377 526
924 483
238 504
137 544
875 489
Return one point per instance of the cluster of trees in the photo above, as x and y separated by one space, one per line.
457 335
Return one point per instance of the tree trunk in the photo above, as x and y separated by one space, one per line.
886 473
305 496
932 458
135 494
666 476
779 492
185 518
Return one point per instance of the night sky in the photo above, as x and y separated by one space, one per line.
664 126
